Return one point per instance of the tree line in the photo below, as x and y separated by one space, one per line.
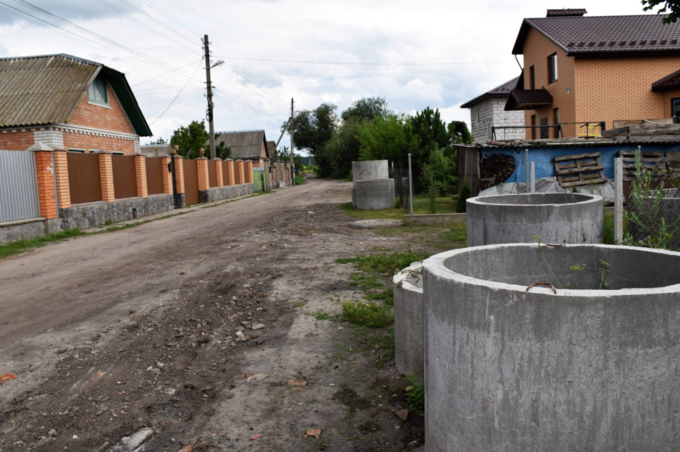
368 130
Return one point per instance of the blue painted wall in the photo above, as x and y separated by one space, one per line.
544 156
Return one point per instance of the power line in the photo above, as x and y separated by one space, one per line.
165 73
349 64
180 92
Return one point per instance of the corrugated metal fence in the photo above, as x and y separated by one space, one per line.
124 176
155 170
83 177
18 186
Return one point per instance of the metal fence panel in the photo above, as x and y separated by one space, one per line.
84 180
18 186
124 176
191 182
155 170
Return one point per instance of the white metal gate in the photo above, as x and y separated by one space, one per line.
18 186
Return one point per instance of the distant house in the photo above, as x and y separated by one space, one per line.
68 102
488 110
156 150
588 73
246 145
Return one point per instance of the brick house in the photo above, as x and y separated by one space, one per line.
67 102
488 110
585 73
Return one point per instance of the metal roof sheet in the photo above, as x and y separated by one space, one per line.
569 143
499 91
244 144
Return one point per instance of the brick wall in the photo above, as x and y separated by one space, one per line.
49 136
45 176
61 173
537 49
111 118
82 141
16 139
492 113
620 88
140 176
106 177
668 96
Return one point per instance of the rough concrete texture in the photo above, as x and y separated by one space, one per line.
97 214
408 320
370 170
19 230
228 192
375 224
435 218
554 217
354 197
580 370
375 194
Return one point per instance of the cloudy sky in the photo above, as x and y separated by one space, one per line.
413 53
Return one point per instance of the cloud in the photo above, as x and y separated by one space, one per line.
68 9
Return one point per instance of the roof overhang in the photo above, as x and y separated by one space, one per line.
667 83
528 99
128 100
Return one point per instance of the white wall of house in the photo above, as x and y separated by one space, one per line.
491 112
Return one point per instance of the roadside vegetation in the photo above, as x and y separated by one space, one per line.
421 206
21 246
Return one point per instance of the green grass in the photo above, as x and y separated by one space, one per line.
367 313
421 206
21 246
439 237
383 263
415 396
608 238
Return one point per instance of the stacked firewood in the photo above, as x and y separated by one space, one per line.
496 169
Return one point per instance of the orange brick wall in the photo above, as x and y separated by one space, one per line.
61 170
16 141
248 172
537 49
229 178
668 96
179 174
140 176
45 177
203 178
106 177
238 172
82 141
621 88
218 172
167 176
104 118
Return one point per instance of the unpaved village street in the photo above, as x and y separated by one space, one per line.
207 330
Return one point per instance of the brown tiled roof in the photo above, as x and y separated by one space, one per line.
671 81
605 35
41 90
499 91
245 144
527 99
566 12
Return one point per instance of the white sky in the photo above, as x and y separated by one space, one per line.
477 35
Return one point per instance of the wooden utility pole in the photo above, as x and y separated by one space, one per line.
292 140
206 46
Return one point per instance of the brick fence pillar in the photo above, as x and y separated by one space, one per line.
106 176
47 194
249 172
239 173
179 174
61 170
229 174
218 172
167 175
140 176
203 178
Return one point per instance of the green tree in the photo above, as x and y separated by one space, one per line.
427 132
459 132
366 108
384 138
465 193
190 139
340 151
160 140
313 129
222 150
672 7
440 169
283 154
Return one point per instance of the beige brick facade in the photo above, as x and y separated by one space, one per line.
61 173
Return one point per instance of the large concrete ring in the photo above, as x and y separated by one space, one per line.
374 194
527 369
553 217
370 170
408 320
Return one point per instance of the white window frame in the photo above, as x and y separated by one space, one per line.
552 68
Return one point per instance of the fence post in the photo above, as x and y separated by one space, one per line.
218 172
410 187
526 169
203 178
532 177
249 172
239 172
61 170
106 176
140 176
229 173
47 194
167 175
179 181
618 201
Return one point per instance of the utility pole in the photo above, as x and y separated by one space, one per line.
292 141
206 46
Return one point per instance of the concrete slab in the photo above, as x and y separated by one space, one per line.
375 194
408 320
370 170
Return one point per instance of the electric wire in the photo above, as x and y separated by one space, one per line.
180 92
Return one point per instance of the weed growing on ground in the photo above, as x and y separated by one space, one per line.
367 313
21 246
384 263
415 395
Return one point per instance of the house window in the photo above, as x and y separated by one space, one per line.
98 92
556 121
478 115
118 153
675 110
77 151
532 78
552 68
533 128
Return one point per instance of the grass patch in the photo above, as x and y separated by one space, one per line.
383 263
367 313
21 246
320 315
421 206
415 396
608 236
438 237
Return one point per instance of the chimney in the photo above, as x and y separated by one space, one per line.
566 12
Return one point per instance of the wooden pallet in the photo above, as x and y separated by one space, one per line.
653 161
579 169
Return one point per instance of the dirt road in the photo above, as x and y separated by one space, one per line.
195 330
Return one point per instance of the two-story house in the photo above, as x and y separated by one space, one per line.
584 73
487 112
67 102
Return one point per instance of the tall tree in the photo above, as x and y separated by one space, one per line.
190 139
672 7
366 108
313 128
459 132
384 138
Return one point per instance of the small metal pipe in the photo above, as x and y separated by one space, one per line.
410 186
532 178
526 168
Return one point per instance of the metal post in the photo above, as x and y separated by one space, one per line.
292 135
206 46
532 178
618 201
410 186
526 169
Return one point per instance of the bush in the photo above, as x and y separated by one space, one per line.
465 193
